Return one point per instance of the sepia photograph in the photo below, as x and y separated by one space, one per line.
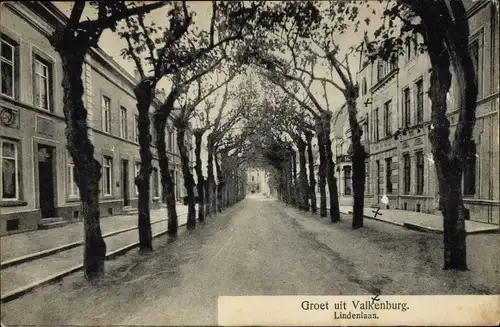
250 163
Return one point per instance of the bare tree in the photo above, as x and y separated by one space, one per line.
72 41
445 30
140 39
188 105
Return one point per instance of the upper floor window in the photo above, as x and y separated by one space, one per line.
388 118
106 114
385 67
123 123
380 70
376 127
7 67
476 48
420 101
363 86
171 138
9 168
411 47
42 83
406 107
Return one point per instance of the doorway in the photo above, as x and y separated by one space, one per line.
46 181
125 183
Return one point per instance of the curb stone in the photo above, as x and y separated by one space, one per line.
59 276
48 252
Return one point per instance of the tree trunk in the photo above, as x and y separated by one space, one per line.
144 95
312 179
447 34
322 169
220 184
293 182
200 186
167 182
303 184
88 170
358 157
330 166
210 173
188 176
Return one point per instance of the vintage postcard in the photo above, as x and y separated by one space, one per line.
250 163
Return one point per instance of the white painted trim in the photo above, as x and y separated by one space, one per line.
17 212
44 139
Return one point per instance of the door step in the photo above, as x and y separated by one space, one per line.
128 210
54 222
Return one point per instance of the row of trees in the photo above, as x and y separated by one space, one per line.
294 61
183 54
287 42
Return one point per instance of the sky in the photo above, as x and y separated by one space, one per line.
112 44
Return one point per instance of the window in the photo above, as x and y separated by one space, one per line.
106 114
475 49
41 83
375 128
10 170
420 172
388 118
136 129
380 69
406 108
137 170
420 101
108 175
253 178
73 191
156 183
7 68
388 175
363 86
123 123
347 181
377 164
470 170
408 48
407 173
171 138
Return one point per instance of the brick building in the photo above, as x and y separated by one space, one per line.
393 99
36 169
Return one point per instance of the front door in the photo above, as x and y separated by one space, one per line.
46 183
125 183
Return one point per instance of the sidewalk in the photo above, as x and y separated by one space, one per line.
419 220
19 278
416 220
21 244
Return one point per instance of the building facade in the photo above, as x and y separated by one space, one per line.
394 101
256 180
37 172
